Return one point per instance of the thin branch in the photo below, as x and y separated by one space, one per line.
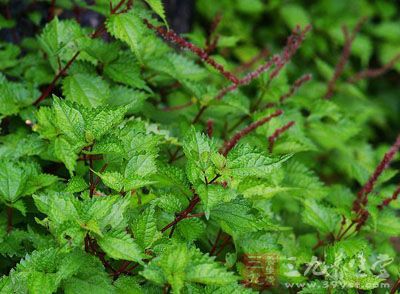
175 38
374 72
46 92
277 133
295 87
211 44
214 246
387 201
210 128
223 245
362 195
53 83
183 214
395 287
51 10
239 135
348 41
293 43
261 55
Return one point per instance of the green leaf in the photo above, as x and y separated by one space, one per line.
321 217
100 121
12 181
69 120
119 245
66 153
125 70
85 89
129 28
158 8
244 161
294 15
140 166
114 180
145 228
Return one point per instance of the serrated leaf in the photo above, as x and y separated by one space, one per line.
243 162
69 121
319 216
119 245
145 228
158 8
129 28
87 90
66 153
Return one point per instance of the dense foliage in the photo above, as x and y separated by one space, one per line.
225 160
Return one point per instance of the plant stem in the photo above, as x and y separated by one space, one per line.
214 247
182 215
395 287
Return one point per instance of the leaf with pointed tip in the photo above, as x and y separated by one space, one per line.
85 89
119 245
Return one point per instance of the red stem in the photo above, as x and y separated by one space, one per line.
214 247
295 87
395 287
374 72
344 56
183 214
46 92
239 135
277 133
387 201
175 38
262 54
362 195
51 10
210 128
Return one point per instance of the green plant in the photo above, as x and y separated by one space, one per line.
132 160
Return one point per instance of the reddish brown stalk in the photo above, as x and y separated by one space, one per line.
124 266
395 287
53 83
348 41
46 92
362 195
175 38
178 107
51 10
245 66
210 128
295 87
246 80
214 246
91 175
97 181
239 135
277 133
183 214
320 243
292 45
199 114
387 201
374 72
93 247
211 44
223 245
